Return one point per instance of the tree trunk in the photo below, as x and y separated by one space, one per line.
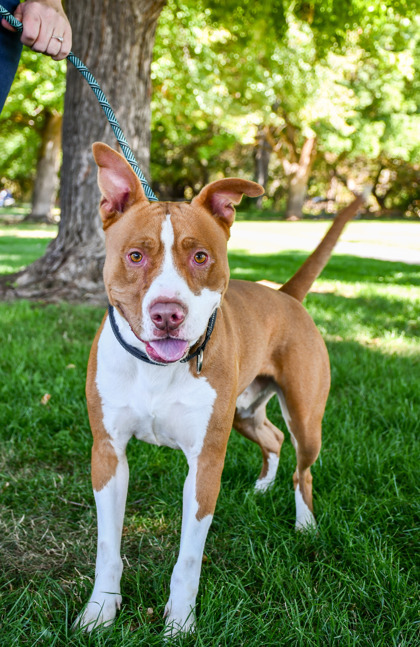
332 194
46 180
298 174
297 168
114 38
262 160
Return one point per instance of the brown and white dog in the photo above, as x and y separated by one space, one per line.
166 274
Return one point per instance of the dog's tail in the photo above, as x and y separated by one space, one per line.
300 283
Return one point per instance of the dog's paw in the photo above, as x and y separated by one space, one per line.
306 524
305 520
178 623
176 627
264 483
98 613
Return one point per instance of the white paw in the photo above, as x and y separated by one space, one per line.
262 485
305 520
306 524
99 612
178 623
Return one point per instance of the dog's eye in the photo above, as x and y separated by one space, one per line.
200 258
135 257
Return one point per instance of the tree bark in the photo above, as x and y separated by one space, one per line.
262 156
298 174
46 179
114 38
297 167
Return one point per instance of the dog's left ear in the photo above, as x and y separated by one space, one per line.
119 185
221 196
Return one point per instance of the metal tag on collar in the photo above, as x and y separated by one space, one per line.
200 361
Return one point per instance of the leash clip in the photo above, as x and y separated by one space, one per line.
200 361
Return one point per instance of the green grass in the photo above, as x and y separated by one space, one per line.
21 244
354 582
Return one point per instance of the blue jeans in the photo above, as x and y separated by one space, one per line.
10 51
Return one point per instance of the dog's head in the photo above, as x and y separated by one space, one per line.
166 264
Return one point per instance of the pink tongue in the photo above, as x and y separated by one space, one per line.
167 350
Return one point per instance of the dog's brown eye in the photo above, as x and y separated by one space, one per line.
135 257
200 258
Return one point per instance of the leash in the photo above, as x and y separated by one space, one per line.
136 352
103 102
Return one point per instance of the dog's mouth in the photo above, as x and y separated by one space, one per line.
166 350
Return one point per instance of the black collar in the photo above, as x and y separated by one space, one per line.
198 353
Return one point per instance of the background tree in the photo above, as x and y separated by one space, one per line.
30 132
386 126
115 40
338 85
191 136
287 88
46 175
315 98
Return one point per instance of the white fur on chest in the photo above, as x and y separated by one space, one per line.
162 405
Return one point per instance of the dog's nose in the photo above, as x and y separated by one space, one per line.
167 315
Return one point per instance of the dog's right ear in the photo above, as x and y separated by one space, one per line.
221 196
119 185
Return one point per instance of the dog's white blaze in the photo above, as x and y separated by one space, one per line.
170 284
106 597
304 517
263 484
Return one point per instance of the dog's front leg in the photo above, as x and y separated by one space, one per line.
201 490
110 501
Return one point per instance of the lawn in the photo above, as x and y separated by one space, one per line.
22 244
353 582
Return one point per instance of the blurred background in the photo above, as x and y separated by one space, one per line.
314 100
311 99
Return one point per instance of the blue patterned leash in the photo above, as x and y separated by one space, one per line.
103 101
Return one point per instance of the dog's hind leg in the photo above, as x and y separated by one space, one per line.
251 421
261 431
305 432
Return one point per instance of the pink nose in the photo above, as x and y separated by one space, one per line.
167 315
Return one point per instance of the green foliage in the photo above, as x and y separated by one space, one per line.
37 89
332 21
189 134
344 72
387 121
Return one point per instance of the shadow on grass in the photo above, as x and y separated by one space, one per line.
17 252
371 316
280 267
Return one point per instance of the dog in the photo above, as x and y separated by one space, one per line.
182 355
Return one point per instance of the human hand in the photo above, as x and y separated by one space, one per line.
46 28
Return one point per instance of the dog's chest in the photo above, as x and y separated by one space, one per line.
161 405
